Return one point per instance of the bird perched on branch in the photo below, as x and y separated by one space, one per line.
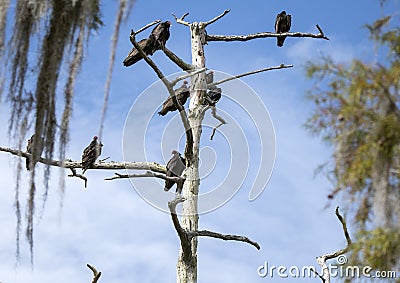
154 42
182 94
175 167
161 35
90 154
213 96
282 24
29 149
134 56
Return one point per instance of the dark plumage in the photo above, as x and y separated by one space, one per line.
161 34
90 154
175 167
213 96
29 149
134 56
210 77
282 24
182 94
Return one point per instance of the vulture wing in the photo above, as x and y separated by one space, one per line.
161 34
182 94
282 24
175 167
134 56
90 154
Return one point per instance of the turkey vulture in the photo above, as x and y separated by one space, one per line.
282 24
182 94
134 56
161 35
175 167
213 96
90 154
210 77
29 149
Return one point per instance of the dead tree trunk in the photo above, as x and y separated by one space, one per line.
187 267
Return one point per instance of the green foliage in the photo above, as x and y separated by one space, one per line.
378 249
357 113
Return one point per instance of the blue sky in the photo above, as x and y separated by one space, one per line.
110 226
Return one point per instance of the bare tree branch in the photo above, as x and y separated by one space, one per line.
96 274
282 66
186 236
168 85
152 166
178 61
183 235
174 82
144 175
264 35
181 20
145 27
219 118
321 260
74 174
205 233
217 18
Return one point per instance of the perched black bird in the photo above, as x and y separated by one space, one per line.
161 35
282 24
182 94
213 96
210 77
175 167
134 56
29 149
90 154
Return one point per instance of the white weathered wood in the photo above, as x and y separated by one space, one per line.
187 267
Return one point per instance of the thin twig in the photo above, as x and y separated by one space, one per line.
96 274
174 82
217 18
282 66
145 27
144 175
178 61
74 174
181 20
321 260
219 118
264 35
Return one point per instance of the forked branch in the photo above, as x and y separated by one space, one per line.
186 236
321 260
96 274
181 20
219 118
174 82
264 35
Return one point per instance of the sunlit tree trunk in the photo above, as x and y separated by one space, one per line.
187 268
